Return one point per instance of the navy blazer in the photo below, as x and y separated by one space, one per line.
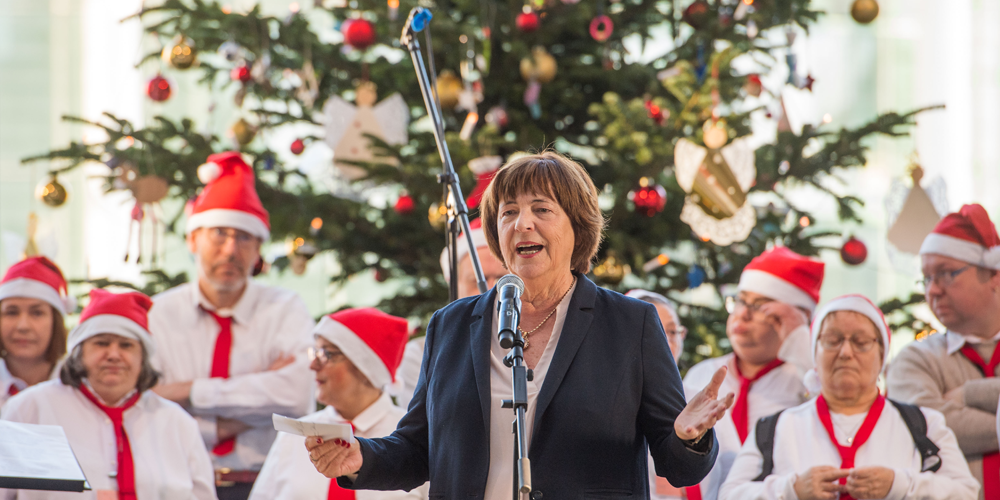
612 389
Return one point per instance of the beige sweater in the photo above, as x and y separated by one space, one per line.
924 372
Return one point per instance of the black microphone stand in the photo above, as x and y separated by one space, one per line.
521 374
458 212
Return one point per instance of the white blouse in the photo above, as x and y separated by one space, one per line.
167 451
500 480
289 475
801 442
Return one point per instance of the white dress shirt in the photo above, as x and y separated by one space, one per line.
7 379
289 475
409 371
268 323
777 390
500 480
801 443
167 452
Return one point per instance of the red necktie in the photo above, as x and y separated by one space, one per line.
220 368
338 493
991 461
126 469
741 411
847 453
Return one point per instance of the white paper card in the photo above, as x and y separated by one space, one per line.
38 452
302 428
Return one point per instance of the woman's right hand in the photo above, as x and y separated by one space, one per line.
820 483
334 458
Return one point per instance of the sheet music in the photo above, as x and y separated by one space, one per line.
302 428
38 452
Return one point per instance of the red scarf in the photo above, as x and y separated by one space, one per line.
847 453
12 390
741 410
991 461
220 368
338 493
126 468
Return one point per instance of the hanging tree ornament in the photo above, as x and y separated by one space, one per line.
854 251
601 28
148 191
497 116
297 147
437 215
649 198
347 126
404 204
180 54
714 133
611 271
52 193
864 11
527 21
753 85
449 87
158 89
915 218
696 14
358 33
538 69
696 276
716 182
243 132
240 74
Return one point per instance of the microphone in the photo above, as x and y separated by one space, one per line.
510 288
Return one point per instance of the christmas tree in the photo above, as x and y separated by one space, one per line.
664 139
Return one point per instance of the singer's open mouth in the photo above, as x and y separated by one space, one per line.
529 248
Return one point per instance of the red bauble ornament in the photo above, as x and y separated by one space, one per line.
655 112
696 14
359 33
404 205
240 74
527 21
650 198
381 275
158 89
854 251
298 146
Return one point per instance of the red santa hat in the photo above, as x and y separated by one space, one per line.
123 314
485 168
229 198
785 276
967 235
373 340
478 239
37 278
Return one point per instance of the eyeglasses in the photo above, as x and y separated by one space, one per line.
218 236
734 304
942 278
680 330
324 355
834 343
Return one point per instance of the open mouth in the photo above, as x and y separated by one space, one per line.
529 248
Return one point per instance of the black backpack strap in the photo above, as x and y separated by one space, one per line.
765 443
930 461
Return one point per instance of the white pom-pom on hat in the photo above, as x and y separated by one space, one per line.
208 172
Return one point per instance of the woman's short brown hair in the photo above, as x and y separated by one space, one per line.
560 178
73 372
57 343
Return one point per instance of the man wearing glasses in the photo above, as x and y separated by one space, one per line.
956 373
768 328
231 351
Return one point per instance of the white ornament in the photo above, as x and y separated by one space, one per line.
347 124
721 182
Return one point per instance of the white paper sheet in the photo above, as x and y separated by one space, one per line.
37 452
302 428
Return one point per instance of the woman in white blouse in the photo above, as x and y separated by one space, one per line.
131 443
850 442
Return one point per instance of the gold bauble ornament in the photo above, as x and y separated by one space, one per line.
449 86
244 132
864 11
181 54
541 66
437 215
52 193
611 271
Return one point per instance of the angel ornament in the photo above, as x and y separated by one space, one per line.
347 126
716 182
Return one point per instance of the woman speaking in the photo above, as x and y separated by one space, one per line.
605 385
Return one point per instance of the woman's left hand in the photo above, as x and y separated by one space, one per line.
704 409
870 482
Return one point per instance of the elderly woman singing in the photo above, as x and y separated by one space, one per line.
605 386
850 442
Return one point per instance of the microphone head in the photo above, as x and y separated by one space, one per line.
511 279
